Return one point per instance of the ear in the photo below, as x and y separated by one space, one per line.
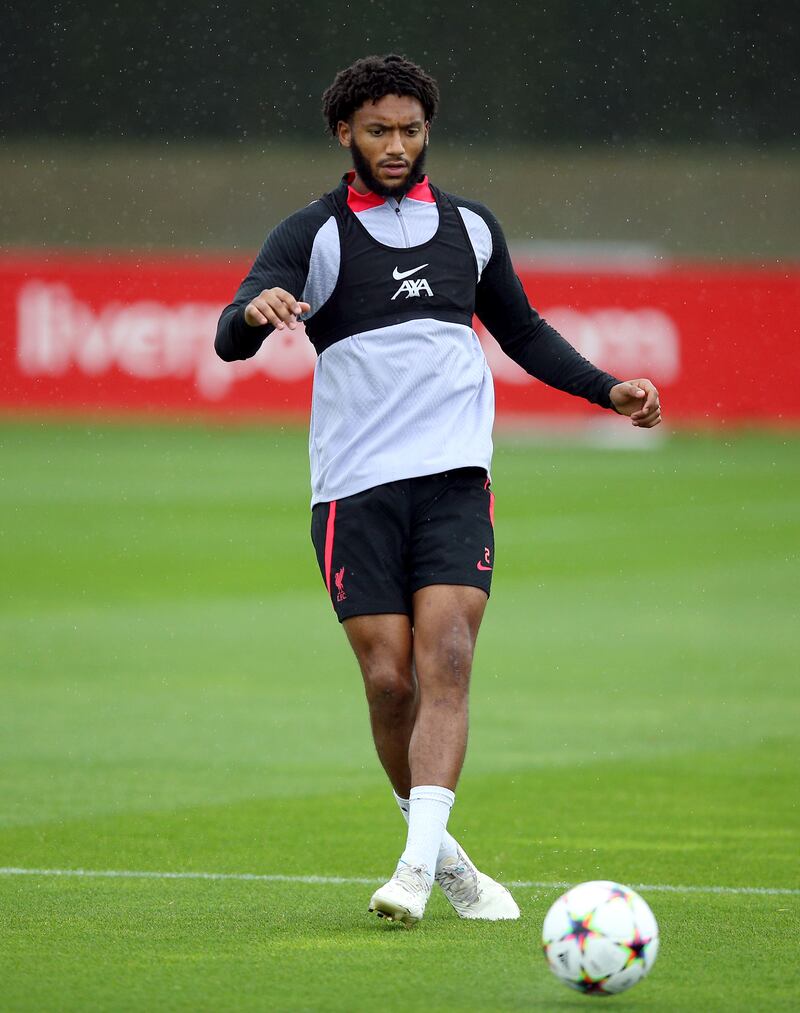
344 132
427 133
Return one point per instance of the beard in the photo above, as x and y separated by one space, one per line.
396 190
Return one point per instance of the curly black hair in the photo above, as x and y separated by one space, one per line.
372 77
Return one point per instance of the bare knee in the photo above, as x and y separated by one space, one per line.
383 645
388 686
445 665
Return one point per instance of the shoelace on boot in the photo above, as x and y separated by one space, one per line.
413 878
459 881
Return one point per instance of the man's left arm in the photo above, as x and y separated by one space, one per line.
503 308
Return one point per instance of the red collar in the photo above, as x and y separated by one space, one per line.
364 201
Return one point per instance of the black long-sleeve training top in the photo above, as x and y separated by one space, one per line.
401 385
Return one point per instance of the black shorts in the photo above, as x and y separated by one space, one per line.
376 548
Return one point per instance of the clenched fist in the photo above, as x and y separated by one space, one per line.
639 400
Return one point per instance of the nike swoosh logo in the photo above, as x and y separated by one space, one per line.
482 567
399 275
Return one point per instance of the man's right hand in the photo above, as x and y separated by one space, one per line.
274 306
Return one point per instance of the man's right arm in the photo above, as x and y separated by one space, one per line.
282 263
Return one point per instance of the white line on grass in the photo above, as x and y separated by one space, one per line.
258 877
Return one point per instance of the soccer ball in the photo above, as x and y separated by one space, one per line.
600 938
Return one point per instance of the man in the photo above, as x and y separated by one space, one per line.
386 272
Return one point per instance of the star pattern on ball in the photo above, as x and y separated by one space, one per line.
589 986
636 947
600 938
580 930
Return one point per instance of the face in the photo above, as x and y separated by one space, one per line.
387 140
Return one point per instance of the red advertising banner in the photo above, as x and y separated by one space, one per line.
111 333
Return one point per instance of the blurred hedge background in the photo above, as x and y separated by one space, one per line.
672 124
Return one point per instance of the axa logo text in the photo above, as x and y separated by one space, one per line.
411 286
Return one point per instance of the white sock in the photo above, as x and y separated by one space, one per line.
449 847
428 810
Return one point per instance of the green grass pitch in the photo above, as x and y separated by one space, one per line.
176 696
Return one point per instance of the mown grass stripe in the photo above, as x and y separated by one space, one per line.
522 884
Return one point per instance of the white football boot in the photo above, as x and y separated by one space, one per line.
404 897
473 894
